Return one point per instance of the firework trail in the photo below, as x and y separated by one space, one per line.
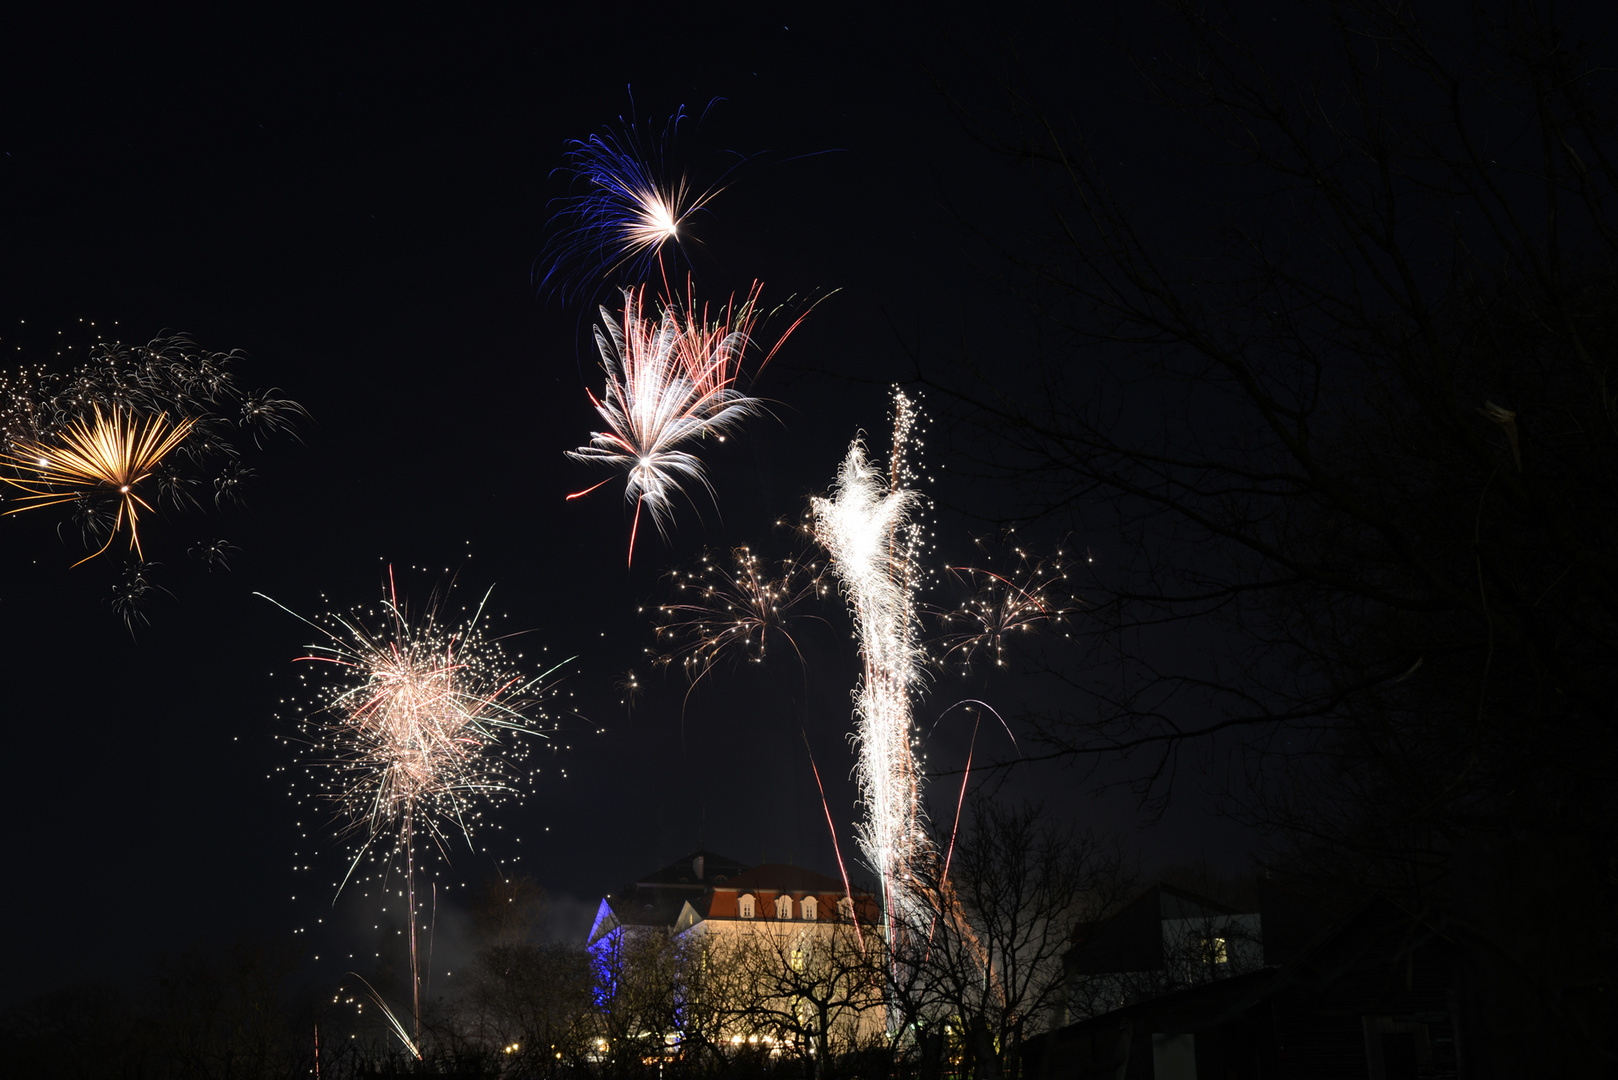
396 1025
630 204
86 460
1013 594
831 828
867 529
670 381
421 726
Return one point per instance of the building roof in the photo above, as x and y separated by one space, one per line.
699 870
1156 903
657 898
694 871
1132 938
783 877
647 907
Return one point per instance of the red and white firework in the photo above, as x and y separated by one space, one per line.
671 383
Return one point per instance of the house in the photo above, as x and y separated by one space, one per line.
655 902
773 892
705 888
786 943
1372 998
1164 939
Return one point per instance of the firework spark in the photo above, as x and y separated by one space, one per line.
168 374
630 205
732 607
422 727
116 392
1014 593
868 530
89 460
670 381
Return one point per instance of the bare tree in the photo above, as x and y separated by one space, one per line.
981 962
1357 430
638 977
812 992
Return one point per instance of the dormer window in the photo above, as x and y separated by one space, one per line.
744 905
783 907
845 908
810 908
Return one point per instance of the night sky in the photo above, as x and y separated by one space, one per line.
358 202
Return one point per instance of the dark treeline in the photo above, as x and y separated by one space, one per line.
844 994
1330 373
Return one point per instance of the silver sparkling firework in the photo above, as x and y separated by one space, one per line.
867 527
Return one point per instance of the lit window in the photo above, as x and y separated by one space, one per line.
797 959
1213 951
783 907
810 908
744 906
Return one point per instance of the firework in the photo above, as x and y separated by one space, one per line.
85 461
868 530
1013 593
390 1017
422 727
73 438
670 382
629 685
168 374
129 596
710 349
630 205
732 606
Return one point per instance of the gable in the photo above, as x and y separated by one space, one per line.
605 923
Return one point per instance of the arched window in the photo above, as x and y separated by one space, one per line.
783 907
744 905
810 908
845 908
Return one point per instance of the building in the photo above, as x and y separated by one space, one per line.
770 958
1165 939
718 892
1374 997
772 893
656 901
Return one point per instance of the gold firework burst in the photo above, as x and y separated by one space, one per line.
111 455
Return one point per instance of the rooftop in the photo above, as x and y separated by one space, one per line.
784 877
656 899
699 870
